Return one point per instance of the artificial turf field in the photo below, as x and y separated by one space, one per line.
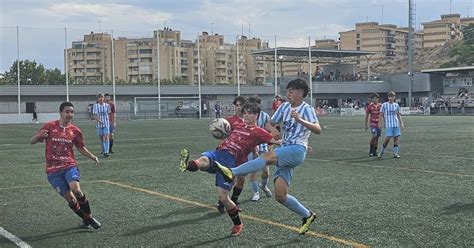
423 199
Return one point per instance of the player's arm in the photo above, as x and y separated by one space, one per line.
39 136
400 120
380 119
366 120
86 153
313 127
269 127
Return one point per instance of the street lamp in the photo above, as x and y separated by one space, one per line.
281 69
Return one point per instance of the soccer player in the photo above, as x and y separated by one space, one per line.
263 121
390 113
373 112
299 120
61 166
101 111
242 140
111 120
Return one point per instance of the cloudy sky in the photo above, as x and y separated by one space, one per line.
42 22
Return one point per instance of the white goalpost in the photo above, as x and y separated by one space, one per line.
165 107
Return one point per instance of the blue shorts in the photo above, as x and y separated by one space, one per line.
376 132
392 132
101 131
60 180
225 158
288 158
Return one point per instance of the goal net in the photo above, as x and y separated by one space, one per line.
164 107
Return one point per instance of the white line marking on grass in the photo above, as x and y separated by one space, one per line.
244 216
13 238
395 168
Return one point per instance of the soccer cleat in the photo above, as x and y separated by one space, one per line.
183 159
84 224
266 190
226 172
380 155
396 155
306 223
93 222
255 197
236 230
220 207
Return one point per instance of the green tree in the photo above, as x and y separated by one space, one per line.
468 35
32 73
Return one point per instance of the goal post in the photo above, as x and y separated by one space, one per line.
165 107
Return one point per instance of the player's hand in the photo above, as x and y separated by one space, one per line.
42 134
95 159
402 126
295 115
310 150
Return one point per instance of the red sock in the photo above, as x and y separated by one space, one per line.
193 165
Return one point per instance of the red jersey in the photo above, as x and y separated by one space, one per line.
234 119
243 139
59 151
373 110
276 104
112 112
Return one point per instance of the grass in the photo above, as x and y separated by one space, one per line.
423 199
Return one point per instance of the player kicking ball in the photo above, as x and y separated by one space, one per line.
61 166
243 139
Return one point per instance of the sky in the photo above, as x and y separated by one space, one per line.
46 27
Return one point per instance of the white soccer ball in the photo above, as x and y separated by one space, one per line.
219 128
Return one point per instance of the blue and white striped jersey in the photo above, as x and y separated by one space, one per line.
294 132
102 111
263 119
390 111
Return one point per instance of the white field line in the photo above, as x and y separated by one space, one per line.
13 238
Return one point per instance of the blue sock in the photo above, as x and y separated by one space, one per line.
383 149
249 167
294 205
396 150
105 145
254 187
102 145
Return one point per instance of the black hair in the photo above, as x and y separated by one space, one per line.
106 94
65 104
391 93
251 107
374 95
299 84
256 99
241 99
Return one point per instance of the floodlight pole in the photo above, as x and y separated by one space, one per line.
276 74
18 69
310 79
158 76
411 28
199 75
66 65
238 65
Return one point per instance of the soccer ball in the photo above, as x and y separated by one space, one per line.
219 128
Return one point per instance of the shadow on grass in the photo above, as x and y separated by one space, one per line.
172 224
188 210
458 208
59 233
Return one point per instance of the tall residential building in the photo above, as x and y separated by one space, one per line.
448 28
389 41
89 61
135 61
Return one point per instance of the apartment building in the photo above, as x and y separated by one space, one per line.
90 60
329 44
448 28
389 41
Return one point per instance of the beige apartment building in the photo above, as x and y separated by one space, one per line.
448 28
389 41
90 60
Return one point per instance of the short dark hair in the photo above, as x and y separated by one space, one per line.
106 94
299 84
65 104
241 99
100 94
391 93
374 95
251 107
256 99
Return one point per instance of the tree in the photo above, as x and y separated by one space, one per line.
468 34
32 73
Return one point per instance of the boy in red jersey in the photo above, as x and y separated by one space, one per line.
373 111
61 166
233 151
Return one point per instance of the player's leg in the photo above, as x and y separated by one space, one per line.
111 137
264 183
396 148
290 202
105 140
232 209
247 167
59 183
254 187
72 177
237 190
388 135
